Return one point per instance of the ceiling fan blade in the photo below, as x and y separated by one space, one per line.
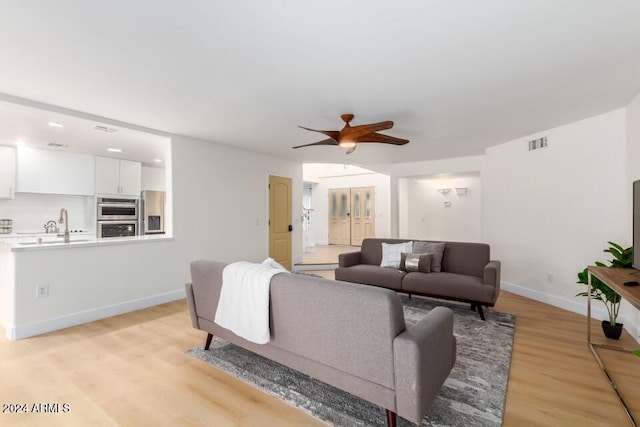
354 132
378 137
323 142
333 134
352 149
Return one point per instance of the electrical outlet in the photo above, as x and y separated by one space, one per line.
42 291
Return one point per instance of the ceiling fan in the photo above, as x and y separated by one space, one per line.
350 136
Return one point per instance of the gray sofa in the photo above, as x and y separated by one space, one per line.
467 274
350 336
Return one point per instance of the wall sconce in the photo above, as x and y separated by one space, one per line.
444 190
461 191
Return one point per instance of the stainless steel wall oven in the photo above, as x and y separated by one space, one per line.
118 217
117 229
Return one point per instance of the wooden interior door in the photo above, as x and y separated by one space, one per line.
280 225
362 214
339 217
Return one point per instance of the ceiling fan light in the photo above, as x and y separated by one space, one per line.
347 144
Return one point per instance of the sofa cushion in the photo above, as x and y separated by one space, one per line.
449 285
416 262
391 253
345 326
371 275
371 250
466 258
435 248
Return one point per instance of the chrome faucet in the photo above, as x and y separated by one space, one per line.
64 219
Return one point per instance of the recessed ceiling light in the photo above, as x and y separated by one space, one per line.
115 150
157 160
55 125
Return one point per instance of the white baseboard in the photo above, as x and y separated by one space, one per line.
579 307
26 330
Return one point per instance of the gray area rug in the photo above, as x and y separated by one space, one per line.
473 395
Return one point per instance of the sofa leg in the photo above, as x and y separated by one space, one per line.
391 418
473 307
208 343
409 296
480 312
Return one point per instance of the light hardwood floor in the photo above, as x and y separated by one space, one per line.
132 370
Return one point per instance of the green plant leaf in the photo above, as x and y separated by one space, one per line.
616 246
616 253
636 352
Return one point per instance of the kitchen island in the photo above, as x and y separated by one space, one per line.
53 285
22 242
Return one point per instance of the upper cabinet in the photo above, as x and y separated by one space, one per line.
154 179
7 172
54 172
118 177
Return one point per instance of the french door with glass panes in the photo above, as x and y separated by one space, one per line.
351 215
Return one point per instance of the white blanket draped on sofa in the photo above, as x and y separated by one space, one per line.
244 299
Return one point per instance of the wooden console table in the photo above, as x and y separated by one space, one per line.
614 278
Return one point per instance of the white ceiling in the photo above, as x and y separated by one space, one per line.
29 126
455 76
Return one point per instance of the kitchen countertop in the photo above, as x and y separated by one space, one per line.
29 242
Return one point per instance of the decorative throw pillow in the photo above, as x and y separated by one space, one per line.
391 253
416 262
435 248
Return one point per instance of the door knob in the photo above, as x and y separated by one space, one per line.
290 227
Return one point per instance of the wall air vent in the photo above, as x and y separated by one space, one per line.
105 129
56 145
536 144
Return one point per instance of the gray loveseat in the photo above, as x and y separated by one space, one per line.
467 274
350 336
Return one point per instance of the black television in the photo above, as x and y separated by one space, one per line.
636 225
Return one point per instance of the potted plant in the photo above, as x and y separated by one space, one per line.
622 258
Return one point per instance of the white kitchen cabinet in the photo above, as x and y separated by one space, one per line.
154 179
54 172
118 177
7 172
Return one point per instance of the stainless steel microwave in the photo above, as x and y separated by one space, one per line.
117 209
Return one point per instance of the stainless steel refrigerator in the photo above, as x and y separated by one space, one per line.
153 204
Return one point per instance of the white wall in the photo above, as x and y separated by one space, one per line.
428 218
398 173
31 211
343 176
220 209
432 167
221 200
552 211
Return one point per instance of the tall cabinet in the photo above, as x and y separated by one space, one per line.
7 172
118 177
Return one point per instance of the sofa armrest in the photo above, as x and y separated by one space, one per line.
349 259
423 357
492 277
492 273
191 301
